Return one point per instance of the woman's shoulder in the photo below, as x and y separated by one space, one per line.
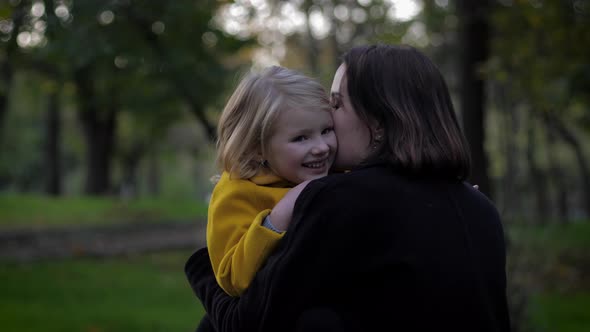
361 176
467 195
354 183
381 182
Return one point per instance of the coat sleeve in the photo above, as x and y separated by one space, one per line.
292 280
238 243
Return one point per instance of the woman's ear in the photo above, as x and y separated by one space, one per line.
378 133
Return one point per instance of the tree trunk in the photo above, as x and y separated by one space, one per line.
6 74
197 110
6 65
474 36
336 49
53 146
555 124
311 45
153 175
130 160
511 193
537 179
99 130
99 134
559 179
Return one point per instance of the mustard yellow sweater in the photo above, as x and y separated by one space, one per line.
238 243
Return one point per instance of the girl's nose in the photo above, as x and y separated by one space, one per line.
321 147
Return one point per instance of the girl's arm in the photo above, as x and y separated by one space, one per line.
290 280
282 213
238 243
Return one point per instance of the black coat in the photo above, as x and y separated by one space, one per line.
380 251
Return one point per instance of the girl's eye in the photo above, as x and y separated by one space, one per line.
327 130
299 138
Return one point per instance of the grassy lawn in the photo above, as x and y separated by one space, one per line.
146 293
150 293
556 268
561 312
43 211
554 238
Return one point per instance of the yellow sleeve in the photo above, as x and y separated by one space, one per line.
238 243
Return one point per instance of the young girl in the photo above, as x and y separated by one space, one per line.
275 132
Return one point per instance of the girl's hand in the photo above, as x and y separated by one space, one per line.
281 214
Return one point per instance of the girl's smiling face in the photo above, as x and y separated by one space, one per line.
303 145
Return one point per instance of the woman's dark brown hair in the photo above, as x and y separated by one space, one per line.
401 90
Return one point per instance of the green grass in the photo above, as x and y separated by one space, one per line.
561 312
556 238
146 293
34 211
557 259
150 293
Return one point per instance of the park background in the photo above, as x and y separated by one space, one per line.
107 123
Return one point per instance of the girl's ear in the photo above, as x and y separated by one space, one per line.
259 157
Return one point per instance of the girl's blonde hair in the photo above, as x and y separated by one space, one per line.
246 123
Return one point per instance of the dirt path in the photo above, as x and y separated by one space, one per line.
121 239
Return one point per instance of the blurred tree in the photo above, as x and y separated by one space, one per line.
12 19
21 160
188 52
474 37
335 26
115 52
545 69
311 35
53 176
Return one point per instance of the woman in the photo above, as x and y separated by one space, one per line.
399 242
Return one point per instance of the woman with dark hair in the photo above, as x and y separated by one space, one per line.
399 241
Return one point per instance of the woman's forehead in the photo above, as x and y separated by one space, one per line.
338 78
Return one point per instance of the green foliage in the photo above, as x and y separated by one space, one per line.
145 293
25 211
541 49
146 62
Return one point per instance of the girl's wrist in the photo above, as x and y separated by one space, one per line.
268 224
